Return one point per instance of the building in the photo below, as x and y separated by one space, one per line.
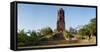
60 20
60 25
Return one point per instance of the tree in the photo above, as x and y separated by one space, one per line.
88 29
33 39
46 31
93 26
22 36
83 31
72 30
33 36
67 34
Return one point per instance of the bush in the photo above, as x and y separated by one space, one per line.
22 36
46 31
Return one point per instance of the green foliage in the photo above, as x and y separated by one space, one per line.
84 31
93 26
89 29
67 34
44 39
34 36
24 39
46 31
72 31
22 36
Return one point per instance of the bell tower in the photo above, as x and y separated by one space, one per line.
60 20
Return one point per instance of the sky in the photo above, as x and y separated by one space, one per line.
35 17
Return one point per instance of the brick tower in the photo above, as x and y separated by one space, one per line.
60 25
60 20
